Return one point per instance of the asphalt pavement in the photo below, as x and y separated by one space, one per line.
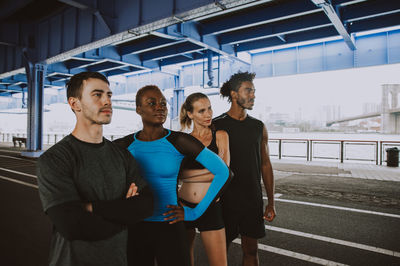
327 214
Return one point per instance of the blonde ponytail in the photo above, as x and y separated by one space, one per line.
184 118
186 107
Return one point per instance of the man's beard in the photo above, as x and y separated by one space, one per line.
96 120
242 102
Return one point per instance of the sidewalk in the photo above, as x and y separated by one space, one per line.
287 167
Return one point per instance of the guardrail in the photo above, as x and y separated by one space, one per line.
385 145
308 149
342 150
47 138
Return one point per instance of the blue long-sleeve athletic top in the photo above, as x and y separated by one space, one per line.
160 162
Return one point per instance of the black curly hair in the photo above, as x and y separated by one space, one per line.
234 83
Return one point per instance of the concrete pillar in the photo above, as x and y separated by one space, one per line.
389 123
395 89
177 100
36 75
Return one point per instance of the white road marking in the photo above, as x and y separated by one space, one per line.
18 182
335 241
10 151
16 172
20 159
337 207
292 254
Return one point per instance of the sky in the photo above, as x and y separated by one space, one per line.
349 88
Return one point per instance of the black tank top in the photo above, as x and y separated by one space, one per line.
245 138
188 163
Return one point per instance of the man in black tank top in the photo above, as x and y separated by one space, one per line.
248 141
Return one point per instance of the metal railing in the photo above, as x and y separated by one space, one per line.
48 139
385 145
7 137
308 149
342 150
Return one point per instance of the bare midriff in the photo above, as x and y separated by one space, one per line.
194 188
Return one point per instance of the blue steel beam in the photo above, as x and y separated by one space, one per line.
78 63
172 51
258 16
112 54
102 66
55 73
120 71
337 23
344 2
374 23
124 69
17 84
94 11
74 27
36 74
48 82
54 76
190 32
105 54
145 44
15 78
88 24
188 55
13 89
292 25
179 59
322 56
369 9
291 38
59 67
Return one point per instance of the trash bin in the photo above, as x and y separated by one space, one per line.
392 157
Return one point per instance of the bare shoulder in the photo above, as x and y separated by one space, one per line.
265 133
221 135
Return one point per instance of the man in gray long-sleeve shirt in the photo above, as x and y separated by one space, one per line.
88 184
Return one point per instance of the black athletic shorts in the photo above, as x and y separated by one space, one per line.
247 222
158 241
210 220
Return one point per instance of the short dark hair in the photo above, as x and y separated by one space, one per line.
141 91
74 85
234 83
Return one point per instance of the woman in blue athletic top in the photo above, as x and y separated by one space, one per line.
196 179
159 152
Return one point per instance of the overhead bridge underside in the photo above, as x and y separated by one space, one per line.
120 37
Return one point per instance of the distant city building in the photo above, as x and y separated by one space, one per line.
331 112
279 118
263 112
298 115
371 108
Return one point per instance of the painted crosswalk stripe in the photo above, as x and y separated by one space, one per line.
295 255
18 182
335 241
337 207
17 172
